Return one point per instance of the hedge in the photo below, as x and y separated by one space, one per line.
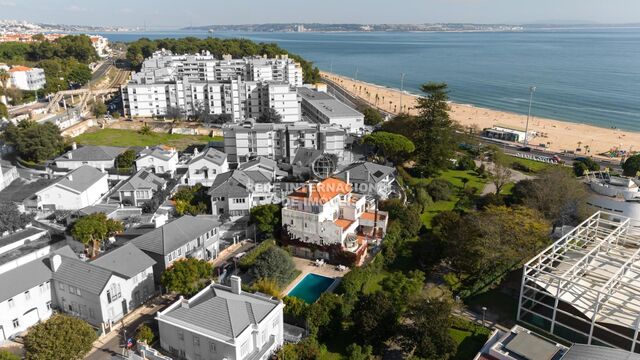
249 259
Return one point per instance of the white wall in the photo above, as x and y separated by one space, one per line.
28 312
64 199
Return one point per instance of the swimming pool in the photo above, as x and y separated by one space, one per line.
311 287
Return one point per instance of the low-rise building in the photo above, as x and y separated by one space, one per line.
520 343
187 236
322 108
222 323
140 188
100 157
371 179
234 193
80 188
159 159
27 78
203 168
328 213
8 173
269 168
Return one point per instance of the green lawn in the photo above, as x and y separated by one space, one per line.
534 166
118 137
436 208
373 283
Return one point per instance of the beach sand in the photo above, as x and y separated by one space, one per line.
556 135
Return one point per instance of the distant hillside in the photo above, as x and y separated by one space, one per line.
317 27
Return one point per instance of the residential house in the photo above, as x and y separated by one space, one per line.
140 188
222 323
203 168
8 173
102 291
266 166
160 160
368 178
80 188
313 163
27 78
328 213
234 193
187 236
100 157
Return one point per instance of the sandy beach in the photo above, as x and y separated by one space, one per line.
555 135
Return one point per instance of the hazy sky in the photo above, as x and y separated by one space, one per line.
179 13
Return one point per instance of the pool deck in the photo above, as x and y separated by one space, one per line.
306 266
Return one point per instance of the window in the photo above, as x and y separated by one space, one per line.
180 334
78 292
212 347
72 289
61 286
91 313
275 323
244 350
48 305
11 303
196 340
16 323
27 295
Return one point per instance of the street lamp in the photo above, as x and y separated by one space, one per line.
532 89
401 88
484 310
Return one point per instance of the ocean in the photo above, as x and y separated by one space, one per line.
589 76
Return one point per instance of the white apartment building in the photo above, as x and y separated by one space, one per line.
222 322
323 108
280 142
27 78
243 88
328 213
101 44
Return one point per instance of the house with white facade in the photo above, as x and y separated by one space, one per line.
234 193
269 168
186 237
204 167
27 78
248 140
222 322
100 157
104 290
80 188
323 108
8 173
159 159
371 179
140 188
328 213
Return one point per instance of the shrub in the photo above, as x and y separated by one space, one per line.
581 165
249 259
144 333
439 189
60 337
466 163
266 286
631 166
520 167
275 263
6 354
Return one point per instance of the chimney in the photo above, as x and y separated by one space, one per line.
309 189
348 178
74 146
236 284
70 177
70 155
195 152
56 261
184 303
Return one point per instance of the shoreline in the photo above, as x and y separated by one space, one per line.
554 135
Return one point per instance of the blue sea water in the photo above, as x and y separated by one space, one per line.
589 76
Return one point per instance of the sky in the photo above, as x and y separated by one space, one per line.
180 13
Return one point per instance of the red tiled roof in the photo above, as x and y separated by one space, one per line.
323 191
19 68
343 223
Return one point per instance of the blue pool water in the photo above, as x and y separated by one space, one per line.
311 287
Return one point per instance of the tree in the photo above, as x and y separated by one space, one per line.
267 220
372 116
145 130
481 242
407 216
562 203
500 176
466 163
435 135
98 109
93 229
307 349
174 113
325 316
4 112
60 337
34 141
631 166
376 317
439 189
400 287
11 219
7 355
357 352
187 277
428 331
396 147
126 160
275 263
266 286
192 200
144 333
270 115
